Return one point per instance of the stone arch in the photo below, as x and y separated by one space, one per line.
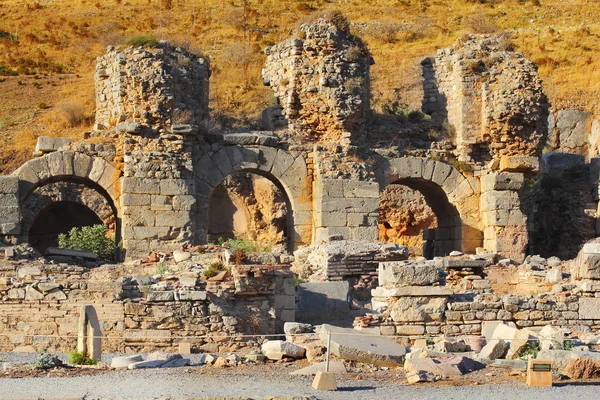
288 171
65 165
67 178
453 197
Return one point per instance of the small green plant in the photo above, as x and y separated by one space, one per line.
243 244
47 361
162 268
214 268
142 40
298 281
530 350
462 166
145 289
78 358
89 238
566 345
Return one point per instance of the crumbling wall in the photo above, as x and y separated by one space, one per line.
320 77
403 217
140 313
561 206
490 95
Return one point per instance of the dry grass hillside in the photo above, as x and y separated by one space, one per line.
48 50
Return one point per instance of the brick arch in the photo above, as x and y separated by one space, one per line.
447 190
65 165
288 171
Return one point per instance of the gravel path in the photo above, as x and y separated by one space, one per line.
178 384
257 383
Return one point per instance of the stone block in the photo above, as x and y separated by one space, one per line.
81 165
47 144
589 308
350 344
9 184
364 233
502 181
418 309
184 202
361 189
135 199
392 274
330 219
519 163
441 172
410 330
173 218
500 200
9 200
325 300
170 187
139 185
558 163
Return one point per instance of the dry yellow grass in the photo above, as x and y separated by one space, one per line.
63 38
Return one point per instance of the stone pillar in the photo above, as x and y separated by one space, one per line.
505 225
346 208
89 339
9 206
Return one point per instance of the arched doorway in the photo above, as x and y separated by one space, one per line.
288 171
441 232
452 196
60 204
251 207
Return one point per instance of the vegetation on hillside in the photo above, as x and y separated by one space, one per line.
48 51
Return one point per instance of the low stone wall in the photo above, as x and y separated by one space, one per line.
40 306
413 299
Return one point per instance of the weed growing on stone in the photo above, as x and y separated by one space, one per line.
78 358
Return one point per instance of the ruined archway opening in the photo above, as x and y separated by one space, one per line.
251 207
417 214
57 218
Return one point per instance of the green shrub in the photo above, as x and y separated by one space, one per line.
530 350
162 268
89 238
78 358
47 361
142 40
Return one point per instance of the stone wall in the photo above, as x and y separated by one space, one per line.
320 77
9 206
414 300
140 313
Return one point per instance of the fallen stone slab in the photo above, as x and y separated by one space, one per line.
177 362
583 368
448 346
124 361
337 367
551 337
278 349
147 364
157 355
350 344
432 369
55 251
519 365
496 348
516 339
561 358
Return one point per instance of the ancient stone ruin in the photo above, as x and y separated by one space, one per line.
475 202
